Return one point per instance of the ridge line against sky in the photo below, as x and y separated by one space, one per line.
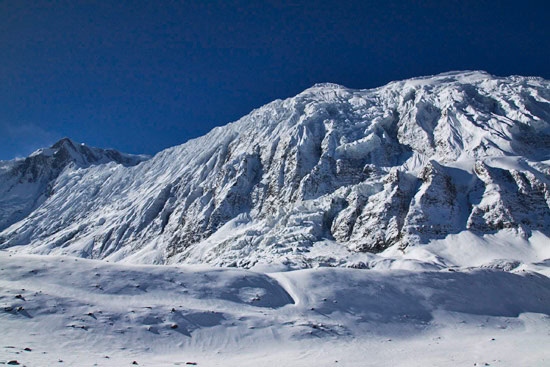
143 76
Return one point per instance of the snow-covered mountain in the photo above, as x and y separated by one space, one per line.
28 183
326 177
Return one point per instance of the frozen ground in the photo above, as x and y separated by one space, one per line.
77 312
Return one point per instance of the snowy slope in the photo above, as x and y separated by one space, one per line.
28 183
324 178
78 312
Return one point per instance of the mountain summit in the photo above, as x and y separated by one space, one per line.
317 179
25 184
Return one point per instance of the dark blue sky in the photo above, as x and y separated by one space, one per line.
143 76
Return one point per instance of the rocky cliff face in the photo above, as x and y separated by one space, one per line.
399 165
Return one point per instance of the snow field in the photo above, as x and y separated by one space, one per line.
88 312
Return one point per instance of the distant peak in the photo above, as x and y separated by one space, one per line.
67 150
64 142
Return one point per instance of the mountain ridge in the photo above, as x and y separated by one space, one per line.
362 170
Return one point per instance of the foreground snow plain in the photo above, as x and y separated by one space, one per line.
405 311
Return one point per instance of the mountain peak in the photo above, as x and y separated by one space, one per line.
28 182
67 150
64 142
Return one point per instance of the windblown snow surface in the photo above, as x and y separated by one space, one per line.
406 225
79 312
